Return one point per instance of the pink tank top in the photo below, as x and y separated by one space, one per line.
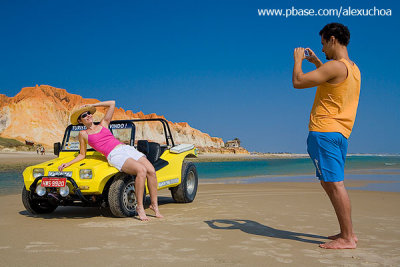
103 141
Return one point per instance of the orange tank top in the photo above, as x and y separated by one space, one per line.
335 105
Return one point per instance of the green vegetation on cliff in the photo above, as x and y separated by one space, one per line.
7 142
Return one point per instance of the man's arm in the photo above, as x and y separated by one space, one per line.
313 58
324 73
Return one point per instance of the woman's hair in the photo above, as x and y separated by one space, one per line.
339 31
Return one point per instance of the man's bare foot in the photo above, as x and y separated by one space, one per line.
339 243
142 214
334 237
155 209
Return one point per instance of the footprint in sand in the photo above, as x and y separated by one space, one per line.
39 244
260 253
282 260
41 247
186 249
326 261
311 253
239 247
280 254
287 246
380 246
91 248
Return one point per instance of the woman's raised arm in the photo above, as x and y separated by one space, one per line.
109 113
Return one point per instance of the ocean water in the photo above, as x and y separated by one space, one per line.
382 173
379 180
10 182
385 169
297 166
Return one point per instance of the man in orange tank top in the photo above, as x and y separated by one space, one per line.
331 120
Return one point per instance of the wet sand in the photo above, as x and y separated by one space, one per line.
24 157
20 160
266 224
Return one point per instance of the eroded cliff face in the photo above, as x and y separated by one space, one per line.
41 114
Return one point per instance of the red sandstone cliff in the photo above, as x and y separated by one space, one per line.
41 114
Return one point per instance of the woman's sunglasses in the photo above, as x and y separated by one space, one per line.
84 115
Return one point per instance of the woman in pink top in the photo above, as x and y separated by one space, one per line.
125 158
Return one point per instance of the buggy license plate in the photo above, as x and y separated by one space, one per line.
53 182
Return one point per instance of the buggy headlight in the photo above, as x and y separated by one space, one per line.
40 190
38 172
85 174
64 191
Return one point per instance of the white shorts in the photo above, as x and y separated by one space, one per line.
120 154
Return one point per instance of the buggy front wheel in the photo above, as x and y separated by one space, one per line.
122 197
186 191
36 206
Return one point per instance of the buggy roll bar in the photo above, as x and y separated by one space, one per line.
168 136
167 130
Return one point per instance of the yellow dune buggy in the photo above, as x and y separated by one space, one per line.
93 182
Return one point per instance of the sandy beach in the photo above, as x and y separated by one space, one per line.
263 224
228 224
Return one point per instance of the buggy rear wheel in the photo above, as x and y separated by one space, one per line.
186 191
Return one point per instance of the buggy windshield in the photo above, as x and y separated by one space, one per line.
123 131
126 131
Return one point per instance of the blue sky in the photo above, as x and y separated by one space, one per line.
214 64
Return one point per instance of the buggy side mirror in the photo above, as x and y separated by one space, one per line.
57 148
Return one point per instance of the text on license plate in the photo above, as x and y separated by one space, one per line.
53 182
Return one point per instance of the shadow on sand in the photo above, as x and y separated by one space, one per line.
255 228
66 213
88 212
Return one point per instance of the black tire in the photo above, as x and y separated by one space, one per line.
106 211
186 191
36 206
121 197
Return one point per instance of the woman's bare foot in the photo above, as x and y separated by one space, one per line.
155 209
339 243
142 213
334 237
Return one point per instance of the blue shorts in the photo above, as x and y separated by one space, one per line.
328 153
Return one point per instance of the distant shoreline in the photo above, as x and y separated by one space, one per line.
16 158
244 157
264 156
